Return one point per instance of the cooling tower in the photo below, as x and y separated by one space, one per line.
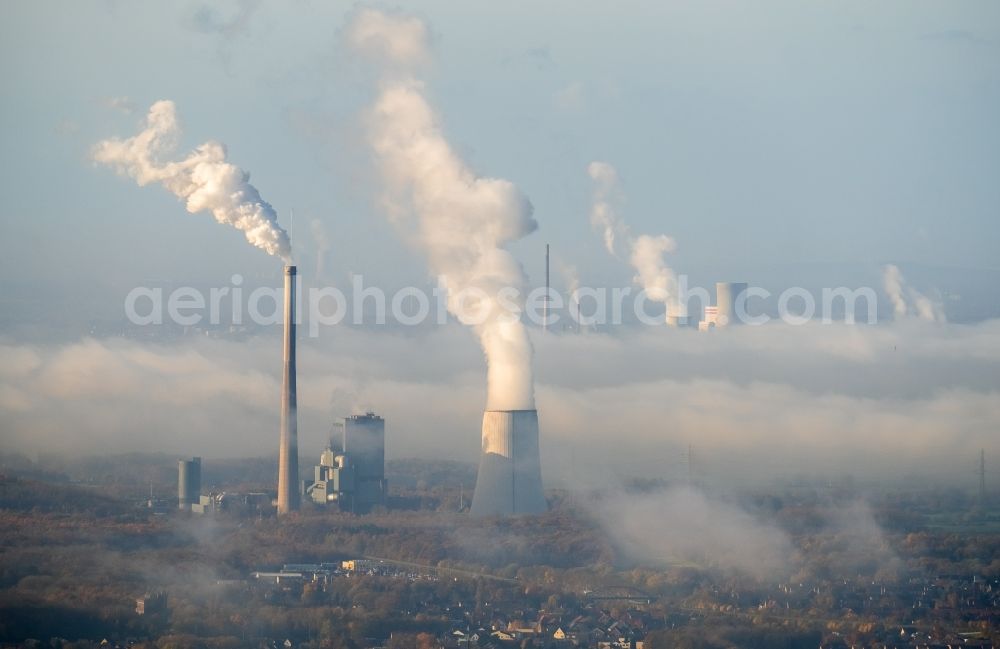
510 471
288 449
677 316
727 296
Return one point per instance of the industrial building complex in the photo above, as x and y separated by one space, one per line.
351 471
190 498
349 476
730 309
354 479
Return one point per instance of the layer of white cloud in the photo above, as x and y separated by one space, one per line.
767 401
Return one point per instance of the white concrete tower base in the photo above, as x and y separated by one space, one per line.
510 470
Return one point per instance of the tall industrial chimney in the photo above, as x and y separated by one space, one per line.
510 470
545 303
288 450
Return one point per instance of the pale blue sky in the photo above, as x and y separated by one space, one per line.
778 142
755 134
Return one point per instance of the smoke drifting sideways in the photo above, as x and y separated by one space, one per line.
647 252
204 179
906 300
462 221
683 526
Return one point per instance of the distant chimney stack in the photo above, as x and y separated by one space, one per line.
288 449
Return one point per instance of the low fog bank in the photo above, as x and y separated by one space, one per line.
911 399
682 526
685 526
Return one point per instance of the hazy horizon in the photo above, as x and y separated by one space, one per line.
782 145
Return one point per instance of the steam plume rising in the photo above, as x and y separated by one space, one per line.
898 291
646 251
571 277
604 211
322 247
204 179
892 279
463 221
651 271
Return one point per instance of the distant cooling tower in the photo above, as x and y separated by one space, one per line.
288 449
727 296
510 472
677 316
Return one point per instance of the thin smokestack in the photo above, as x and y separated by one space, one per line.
545 304
288 450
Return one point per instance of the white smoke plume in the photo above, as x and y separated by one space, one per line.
892 280
463 221
683 526
607 201
907 300
322 246
571 277
391 40
123 104
647 252
569 273
652 272
204 179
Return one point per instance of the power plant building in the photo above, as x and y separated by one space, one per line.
333 481
710 319
188 483
364 445
355 479
510 471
